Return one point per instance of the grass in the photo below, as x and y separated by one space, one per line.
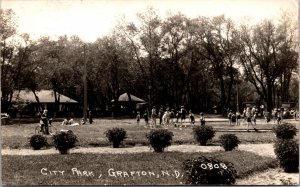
26 170
16 136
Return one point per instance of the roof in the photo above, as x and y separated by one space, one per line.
124 97
45 96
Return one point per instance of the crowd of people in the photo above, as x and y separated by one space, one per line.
168 117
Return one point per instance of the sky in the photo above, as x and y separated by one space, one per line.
91 19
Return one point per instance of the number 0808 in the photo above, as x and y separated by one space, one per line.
212 166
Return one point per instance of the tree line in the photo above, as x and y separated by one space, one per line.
201 63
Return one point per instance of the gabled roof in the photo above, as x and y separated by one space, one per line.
45 96
124 97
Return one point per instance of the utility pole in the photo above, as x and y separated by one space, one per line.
84 86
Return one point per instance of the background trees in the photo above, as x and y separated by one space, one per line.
199 63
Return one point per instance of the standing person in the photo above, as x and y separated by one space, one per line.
146 118
230 117
279 116
254 114
160 115
90 117
183 115
248 117
44 119
238 117
153 117
172 115
192 118
138 118
267 116
262 109
202 119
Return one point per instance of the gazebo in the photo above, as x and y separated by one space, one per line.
127 104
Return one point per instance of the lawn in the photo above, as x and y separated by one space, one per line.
112 169
16 136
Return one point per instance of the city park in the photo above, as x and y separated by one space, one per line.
181 65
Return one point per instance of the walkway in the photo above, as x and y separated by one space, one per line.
260 149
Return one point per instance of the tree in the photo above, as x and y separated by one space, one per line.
268 51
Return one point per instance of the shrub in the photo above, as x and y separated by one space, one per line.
285 131
64 141
37 142
287 152
160 139
229 141
204 170
116 136
203 133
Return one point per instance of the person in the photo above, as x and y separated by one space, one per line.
138 118
254 114
262 109
183 115
44 125
160 114
146 118
248 117
238 117
192 118
166 117
153 116
90 117
202 119
172 115
279 116
267 116
230 116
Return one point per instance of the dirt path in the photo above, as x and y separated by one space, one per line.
270 177
260 149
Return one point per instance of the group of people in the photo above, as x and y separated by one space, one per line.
169 117
250 115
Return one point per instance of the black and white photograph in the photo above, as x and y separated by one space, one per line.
149 92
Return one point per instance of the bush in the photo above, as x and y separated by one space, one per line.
64 141
229 141
285 131
287 152
116 136
203 133
160 139
37 142
204 170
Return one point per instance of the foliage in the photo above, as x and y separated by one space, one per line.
229 141
203 133
37 141
285 131
160 139
209 171
287 151
116 136
64 141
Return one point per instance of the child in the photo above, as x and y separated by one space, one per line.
192 118
138 117
183 115
267 116
146 118
202 119
230 117
172 115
